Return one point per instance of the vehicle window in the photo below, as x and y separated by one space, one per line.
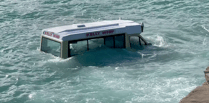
78 47
95 43
50 46
109 42
119 41
134 42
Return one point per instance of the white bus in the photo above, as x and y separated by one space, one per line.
70 40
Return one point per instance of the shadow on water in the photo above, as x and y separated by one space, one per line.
95 59
109 57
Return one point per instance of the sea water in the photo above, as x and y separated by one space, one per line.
162 73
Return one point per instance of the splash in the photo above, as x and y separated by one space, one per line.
58 59
159 41
31 95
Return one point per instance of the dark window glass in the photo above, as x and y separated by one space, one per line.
50 46
95 43
78 47
109 42
134 41
119 41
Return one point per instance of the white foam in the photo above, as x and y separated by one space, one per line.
141 54
158 41
31 95
205 40
58 59
144 55
205 28
116 68
55 58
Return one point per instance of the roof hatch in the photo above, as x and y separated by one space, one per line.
81 25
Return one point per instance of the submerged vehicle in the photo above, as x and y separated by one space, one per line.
70 40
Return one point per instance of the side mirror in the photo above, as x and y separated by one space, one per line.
142 27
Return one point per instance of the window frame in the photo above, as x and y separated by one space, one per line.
124 39
73 41
69 51
54 41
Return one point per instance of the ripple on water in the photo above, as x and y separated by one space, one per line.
164 72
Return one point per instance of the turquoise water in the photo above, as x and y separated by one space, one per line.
162 73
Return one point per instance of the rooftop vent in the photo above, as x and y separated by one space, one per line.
81 25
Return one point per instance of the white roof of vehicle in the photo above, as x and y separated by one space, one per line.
92 30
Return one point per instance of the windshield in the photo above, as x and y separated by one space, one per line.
50 46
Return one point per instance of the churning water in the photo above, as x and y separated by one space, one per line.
162 73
